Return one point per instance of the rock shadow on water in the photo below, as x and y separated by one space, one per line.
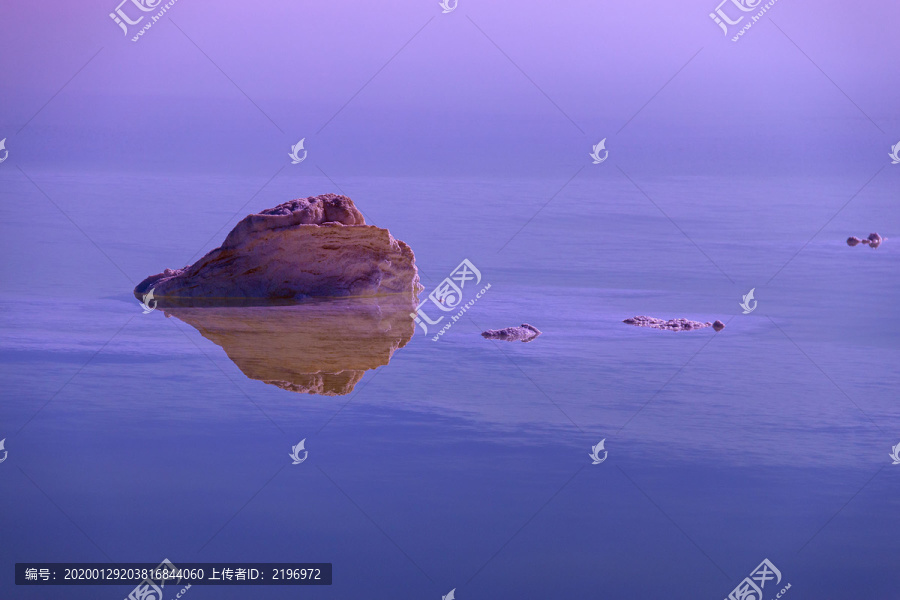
321 347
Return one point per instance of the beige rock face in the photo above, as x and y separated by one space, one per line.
320 347
308 248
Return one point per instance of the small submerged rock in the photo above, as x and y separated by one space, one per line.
673 324
523 333
873 241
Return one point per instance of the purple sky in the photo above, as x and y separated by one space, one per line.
451 101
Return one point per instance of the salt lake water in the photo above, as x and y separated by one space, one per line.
463 463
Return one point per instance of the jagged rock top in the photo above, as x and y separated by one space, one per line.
314 210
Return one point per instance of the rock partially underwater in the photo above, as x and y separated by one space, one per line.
304 296
873 241
523 333
308 248
321 347
673 324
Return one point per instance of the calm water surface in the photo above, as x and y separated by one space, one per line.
464 463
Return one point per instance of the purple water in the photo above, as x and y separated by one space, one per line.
463 463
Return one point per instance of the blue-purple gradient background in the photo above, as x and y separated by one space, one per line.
463 464
450 102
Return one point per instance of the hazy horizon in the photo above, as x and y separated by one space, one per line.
398 88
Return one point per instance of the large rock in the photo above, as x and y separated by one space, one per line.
308 248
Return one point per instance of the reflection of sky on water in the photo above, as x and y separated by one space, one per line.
747 391
745 453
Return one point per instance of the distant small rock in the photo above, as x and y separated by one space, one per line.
523 333
673 324
873 241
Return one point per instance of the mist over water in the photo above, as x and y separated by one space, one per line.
450 102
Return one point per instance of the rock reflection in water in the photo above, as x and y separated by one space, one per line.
322 347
